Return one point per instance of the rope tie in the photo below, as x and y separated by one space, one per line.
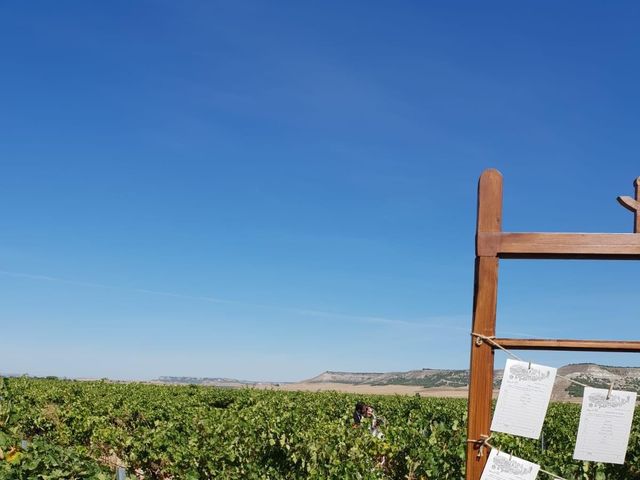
482 443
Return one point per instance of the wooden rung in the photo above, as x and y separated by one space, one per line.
584 345
559 245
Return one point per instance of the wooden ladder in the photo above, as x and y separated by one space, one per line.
493 244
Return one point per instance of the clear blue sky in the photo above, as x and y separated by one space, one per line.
267 190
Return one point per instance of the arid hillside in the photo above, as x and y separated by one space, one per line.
434 382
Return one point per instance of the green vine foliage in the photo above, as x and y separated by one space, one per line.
83 429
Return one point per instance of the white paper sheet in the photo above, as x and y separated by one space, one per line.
502 466
524 396
603 433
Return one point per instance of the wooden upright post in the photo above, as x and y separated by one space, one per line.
484 321
637 227
633 205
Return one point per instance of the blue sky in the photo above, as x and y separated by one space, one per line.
268 190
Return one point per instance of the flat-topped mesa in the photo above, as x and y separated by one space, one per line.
633 205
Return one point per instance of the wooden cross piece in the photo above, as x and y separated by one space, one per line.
633 205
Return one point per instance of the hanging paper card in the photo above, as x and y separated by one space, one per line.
605 424
524 396
502 466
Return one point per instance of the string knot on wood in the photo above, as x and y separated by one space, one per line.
481 444
491 341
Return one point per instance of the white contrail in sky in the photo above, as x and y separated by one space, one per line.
458 323
434 322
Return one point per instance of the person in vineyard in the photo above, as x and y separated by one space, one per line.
362 410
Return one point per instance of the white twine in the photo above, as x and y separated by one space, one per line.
491 341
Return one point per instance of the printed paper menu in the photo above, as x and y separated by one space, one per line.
502 466
524 396
605 424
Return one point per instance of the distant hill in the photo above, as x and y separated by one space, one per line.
600 376
214 382
428 378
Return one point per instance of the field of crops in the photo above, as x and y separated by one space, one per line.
55 429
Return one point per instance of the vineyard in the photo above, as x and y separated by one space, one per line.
55 429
